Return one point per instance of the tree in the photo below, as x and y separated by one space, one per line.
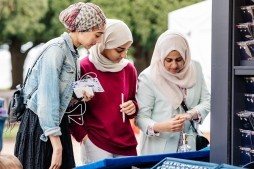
28 20
19 22
37 21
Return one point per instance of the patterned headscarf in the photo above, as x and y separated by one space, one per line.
168 83
82 17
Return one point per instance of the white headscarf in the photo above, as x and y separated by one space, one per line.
117 33
168 83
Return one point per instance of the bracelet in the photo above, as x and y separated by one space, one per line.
191 116
190 113
150 131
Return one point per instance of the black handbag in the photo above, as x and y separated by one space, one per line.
17 104
201 141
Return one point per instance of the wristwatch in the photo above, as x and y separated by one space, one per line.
192 114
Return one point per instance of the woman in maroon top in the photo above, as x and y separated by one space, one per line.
107 132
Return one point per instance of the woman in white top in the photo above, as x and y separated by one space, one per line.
171 78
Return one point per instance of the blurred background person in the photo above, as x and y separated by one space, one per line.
9 162
3 116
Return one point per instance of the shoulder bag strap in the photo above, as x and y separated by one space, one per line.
191 122
30 70
28 74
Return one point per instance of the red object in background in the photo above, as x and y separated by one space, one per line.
134 127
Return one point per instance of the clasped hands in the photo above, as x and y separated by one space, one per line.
174 124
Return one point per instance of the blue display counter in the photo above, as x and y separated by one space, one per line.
147 161
169 163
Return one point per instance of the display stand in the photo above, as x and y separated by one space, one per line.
228 91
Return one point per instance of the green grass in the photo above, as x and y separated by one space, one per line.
10 132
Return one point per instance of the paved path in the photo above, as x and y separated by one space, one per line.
8 148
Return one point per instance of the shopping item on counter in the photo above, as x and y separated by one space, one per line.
249 84
247 13
245 31
246 119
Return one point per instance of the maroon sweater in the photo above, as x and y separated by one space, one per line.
103 119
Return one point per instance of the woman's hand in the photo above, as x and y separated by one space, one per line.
87 94
128 107
186 116
56 159
175 124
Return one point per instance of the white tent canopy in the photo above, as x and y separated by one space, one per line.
5 69
195 23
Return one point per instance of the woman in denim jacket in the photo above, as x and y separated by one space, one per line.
52 78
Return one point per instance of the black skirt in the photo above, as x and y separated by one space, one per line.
34 153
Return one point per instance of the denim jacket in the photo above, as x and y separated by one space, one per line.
53 74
